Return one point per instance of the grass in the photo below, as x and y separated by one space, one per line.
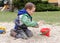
7 16
46 16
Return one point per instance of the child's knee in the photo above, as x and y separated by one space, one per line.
29 33
13 33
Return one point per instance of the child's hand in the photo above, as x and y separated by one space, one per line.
41 22
37 26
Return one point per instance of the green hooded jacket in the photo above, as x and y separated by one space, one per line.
26 19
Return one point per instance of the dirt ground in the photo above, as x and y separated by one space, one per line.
37 38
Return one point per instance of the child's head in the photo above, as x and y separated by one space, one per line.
30 7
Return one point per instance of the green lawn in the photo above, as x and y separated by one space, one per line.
7 16
46 16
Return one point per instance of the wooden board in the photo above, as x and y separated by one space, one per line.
53 1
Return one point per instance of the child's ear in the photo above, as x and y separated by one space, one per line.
27 10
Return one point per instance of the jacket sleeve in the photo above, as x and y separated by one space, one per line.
28 22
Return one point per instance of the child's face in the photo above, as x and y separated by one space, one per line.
31 11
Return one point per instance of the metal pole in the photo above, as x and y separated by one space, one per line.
11 6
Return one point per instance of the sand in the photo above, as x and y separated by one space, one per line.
37 38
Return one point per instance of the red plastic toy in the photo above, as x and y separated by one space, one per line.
45 31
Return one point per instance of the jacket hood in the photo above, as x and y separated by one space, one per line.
23 11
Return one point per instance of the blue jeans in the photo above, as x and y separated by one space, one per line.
24 34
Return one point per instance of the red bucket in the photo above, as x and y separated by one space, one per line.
45 31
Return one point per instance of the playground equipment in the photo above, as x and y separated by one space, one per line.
6 6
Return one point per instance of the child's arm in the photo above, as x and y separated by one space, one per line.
29 23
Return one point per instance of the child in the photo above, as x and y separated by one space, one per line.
23 21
